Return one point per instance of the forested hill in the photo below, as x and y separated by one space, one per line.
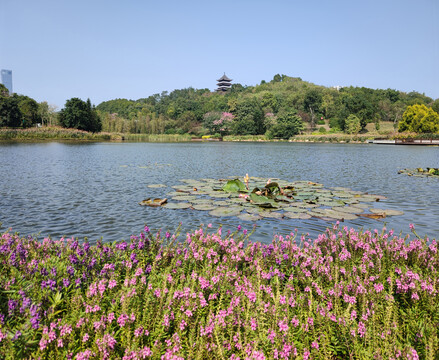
256 109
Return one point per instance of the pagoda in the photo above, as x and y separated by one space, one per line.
224 83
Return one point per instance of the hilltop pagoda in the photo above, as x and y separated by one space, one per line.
224 83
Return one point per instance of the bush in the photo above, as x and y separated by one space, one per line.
352 124
322 130
419 119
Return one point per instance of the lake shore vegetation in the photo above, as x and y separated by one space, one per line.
346 294
280 109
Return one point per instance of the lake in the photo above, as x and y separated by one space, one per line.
93 189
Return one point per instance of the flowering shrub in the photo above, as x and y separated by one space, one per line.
347 294
218 122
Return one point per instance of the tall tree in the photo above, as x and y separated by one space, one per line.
10 114
80 115
419 119
312 102
29 111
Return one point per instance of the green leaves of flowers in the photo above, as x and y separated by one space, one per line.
292 200
262 201
235 185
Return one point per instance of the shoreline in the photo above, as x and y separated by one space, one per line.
73 135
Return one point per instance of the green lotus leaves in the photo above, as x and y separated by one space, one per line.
387 212
157 186
182 205
202 201
294 215
204 207
184 198
234 185
249 217
273 198
226 211
419 172
271 214
349 209
262 201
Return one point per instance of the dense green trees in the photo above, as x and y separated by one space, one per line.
281 108
257 109
420 119
17 110
286 125
80 115
352 124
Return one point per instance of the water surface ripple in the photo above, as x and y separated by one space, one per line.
93 189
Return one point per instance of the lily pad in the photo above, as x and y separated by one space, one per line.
157 186
339 215
249 217
349 209
271 214
153 202
221 203
184 198
181 205
262 201
218 195
295 209
176 193
294 215
388 212
373 216
201 201
204 207
234 185
225 211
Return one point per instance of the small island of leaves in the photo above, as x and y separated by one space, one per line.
420 172
256 198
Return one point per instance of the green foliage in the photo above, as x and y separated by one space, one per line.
47 114
78 114
10 114
3 90
352 125
287 125
322 130
183 111
249 117
29 111
419 119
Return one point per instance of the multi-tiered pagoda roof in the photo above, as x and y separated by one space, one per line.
224 83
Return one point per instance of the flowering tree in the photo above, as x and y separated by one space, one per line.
218 122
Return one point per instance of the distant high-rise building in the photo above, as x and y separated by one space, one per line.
7 79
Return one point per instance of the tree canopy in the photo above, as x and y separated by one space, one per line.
420 119
80 115
256 109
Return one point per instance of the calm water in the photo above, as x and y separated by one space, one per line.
93 189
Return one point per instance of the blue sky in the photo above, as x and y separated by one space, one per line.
105 49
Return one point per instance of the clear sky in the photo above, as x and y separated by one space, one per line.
106 49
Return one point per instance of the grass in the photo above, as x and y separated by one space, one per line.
346 295
157 137
54 133
245 138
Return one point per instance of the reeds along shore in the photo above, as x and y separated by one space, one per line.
346 294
